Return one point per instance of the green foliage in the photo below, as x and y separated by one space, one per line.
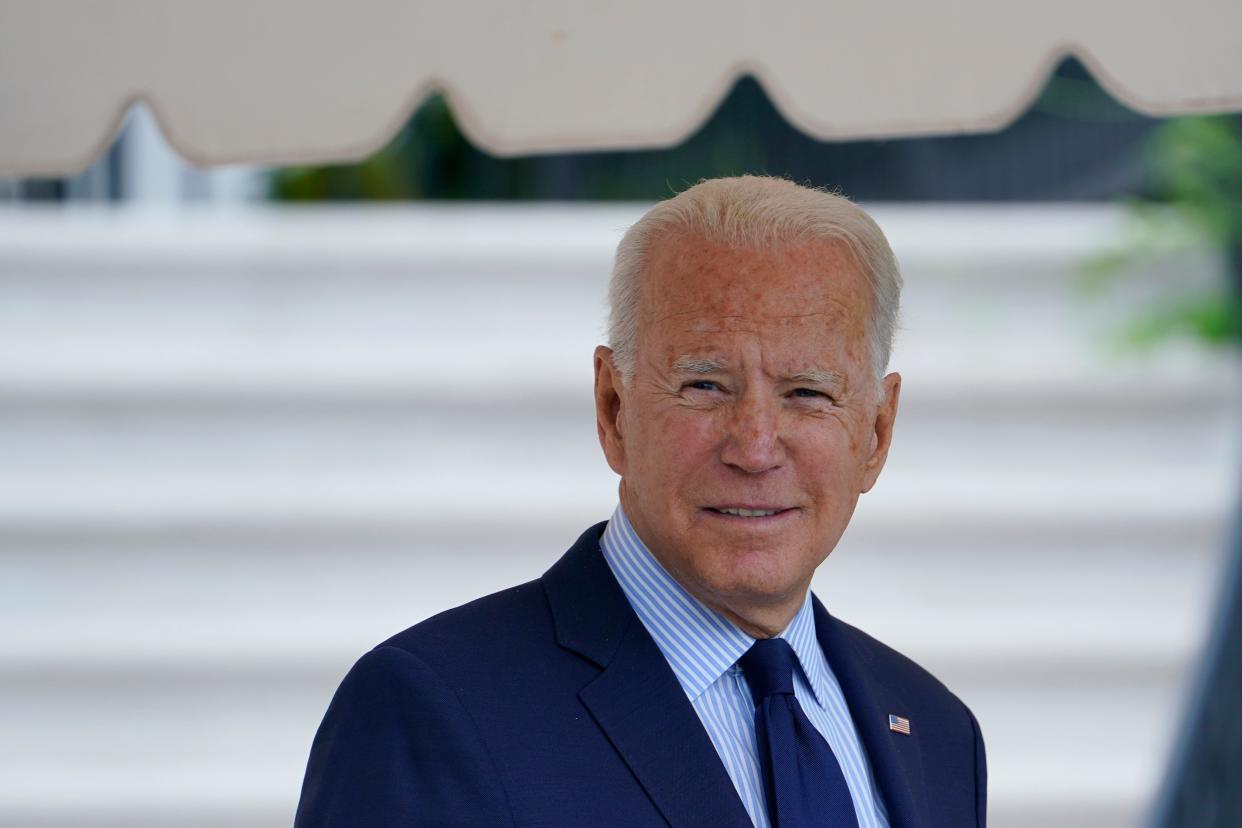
428 158
1198 168
1213 318
1196 200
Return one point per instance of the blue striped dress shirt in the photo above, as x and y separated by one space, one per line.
703 647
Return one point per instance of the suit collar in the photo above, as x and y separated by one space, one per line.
589 609
896 759
636 699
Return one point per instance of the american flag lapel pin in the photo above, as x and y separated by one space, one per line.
899 724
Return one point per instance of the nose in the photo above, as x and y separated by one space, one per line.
753 441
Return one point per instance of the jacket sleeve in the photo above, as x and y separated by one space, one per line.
981 774
397 747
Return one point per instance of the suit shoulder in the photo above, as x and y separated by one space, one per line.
500 621
899 668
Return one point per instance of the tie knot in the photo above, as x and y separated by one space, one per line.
768 666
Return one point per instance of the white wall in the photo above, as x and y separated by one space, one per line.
239 448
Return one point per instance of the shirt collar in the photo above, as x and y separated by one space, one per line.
699 643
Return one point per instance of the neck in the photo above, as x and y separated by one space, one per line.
762 621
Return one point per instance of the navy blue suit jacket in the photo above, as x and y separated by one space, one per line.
549 704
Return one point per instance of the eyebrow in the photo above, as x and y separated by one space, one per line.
696 365
819 378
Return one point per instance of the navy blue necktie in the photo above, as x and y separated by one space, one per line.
801 777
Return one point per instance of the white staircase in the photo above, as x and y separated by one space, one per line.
238 449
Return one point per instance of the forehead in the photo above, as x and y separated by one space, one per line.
692 285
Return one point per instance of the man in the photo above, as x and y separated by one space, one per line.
673 668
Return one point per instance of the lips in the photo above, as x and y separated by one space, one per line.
749 511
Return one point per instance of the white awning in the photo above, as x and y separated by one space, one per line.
296 81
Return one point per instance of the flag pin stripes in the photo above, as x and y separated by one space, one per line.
899 724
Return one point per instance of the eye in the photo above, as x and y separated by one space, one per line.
811 394
702 385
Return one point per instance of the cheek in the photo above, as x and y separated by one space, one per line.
679 442
830 459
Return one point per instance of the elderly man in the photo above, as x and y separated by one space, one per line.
673 668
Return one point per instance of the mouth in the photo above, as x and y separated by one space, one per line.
756 513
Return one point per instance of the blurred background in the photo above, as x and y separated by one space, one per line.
255 420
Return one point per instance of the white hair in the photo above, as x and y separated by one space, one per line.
754 212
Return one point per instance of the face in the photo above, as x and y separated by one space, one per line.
753 420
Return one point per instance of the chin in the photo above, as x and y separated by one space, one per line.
755 576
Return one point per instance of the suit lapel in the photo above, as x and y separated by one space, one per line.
646 715
636 699
896 759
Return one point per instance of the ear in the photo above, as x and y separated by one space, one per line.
882 430
608 393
